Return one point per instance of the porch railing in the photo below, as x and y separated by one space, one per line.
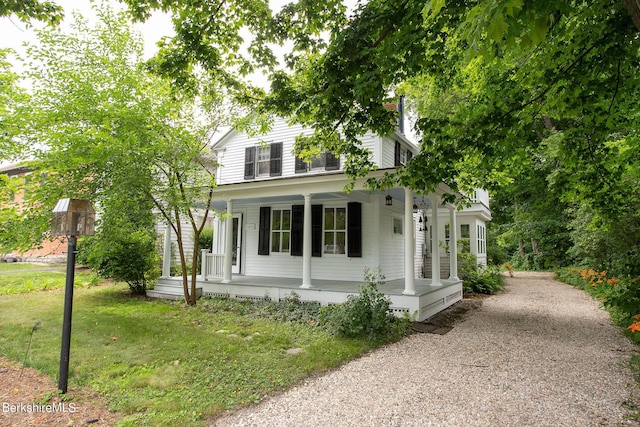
212 265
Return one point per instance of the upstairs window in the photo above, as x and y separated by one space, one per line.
401 155
263 160
325 161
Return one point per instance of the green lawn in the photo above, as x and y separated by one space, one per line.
24 282
161 363
13 266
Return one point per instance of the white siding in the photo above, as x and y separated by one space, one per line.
326 267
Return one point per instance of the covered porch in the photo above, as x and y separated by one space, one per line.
426 302
385 226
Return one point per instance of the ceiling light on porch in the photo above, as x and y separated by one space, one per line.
388 201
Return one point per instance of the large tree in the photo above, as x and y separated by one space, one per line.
99 122
28 10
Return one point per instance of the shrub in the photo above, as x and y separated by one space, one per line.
479 280
366 314
127 257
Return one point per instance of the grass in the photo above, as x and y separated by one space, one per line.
161 363
24 282
13 266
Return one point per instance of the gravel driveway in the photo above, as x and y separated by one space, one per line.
540 353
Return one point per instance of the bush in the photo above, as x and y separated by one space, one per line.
127 257
366 314
479 280
619 295
205 241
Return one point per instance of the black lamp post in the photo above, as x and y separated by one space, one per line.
71 218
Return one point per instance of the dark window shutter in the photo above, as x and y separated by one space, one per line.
409 155
275 166
331 162
264 232
354 229
297 229
316 230
250 162
301 165
396 155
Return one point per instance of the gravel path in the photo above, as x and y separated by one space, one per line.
541 353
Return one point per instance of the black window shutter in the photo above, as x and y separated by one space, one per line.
297 229
409 155
331 162
275 166
250 162
301 165
316 230
396 155
264 232
354 229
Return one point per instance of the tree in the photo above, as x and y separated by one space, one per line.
100 123
11 95
26 10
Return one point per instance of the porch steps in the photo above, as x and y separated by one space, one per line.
170 290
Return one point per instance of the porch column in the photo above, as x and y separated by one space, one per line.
166 252
435 241
228 243
453 244
306 244
409 245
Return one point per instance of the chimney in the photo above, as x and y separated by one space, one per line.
401 114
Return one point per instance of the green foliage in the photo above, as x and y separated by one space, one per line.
619 295
161 363
45 11
608 243
128 257
102 127
366 314
477 279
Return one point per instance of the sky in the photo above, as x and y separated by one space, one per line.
13 32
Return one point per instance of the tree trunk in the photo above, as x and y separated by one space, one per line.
194 266
534 245
521 246
633 7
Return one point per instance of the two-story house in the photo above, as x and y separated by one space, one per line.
288 225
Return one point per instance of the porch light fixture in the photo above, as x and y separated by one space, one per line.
388 201
71 218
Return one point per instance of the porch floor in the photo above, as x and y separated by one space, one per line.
427 301
390 287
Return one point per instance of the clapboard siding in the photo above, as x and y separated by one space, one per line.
326 267
231 151
392 252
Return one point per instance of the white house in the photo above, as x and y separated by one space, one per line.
289 226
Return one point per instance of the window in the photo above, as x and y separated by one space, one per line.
335 230
482 244
401 155
325 161
280 230
397 226
465 237
264 160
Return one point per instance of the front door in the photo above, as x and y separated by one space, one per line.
236 257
